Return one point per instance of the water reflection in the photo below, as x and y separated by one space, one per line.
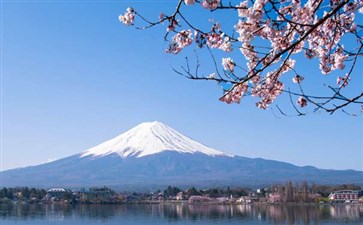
268 214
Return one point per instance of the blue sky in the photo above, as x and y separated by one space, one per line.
73 76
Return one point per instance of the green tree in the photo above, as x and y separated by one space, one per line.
171 191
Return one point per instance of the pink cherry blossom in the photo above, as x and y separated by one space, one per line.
255 79
288 65
226 45
210 4
228 64
343 81
242 9
339 58
236 94
180 41
214 40
189 2
128 17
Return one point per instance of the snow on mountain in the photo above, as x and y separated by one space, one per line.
150 138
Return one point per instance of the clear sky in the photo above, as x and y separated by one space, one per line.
73 76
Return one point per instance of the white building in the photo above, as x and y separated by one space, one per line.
344 196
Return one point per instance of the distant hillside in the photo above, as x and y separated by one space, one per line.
141 158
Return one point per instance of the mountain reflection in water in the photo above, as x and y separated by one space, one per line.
268 214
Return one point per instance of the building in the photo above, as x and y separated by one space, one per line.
345 196
57 193
247 199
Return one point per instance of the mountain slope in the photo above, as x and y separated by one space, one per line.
140 158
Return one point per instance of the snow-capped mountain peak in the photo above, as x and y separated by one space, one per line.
150 138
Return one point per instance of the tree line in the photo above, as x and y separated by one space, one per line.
22 193
288 192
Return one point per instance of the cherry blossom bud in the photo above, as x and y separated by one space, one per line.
189 2
302 102
339 79
161 16
297 79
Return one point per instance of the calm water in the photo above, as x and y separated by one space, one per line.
180 214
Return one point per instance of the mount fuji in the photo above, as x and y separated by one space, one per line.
148 139
153 155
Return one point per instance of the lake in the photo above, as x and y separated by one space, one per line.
179 214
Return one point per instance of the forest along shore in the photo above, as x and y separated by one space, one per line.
274 194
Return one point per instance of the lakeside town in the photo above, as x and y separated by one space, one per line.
288 193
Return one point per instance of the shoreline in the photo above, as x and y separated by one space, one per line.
177 202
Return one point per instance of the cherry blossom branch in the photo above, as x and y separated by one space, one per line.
353 100
290 27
